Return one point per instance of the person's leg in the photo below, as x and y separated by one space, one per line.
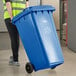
14 36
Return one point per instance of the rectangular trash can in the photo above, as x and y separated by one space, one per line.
39 37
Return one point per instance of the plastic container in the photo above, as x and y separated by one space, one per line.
38 34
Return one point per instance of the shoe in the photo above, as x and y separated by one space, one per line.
16 63
11 62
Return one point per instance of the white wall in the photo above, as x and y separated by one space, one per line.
2 25
34 2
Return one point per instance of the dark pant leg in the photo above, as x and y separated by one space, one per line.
14 37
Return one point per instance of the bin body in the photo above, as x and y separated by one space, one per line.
39 37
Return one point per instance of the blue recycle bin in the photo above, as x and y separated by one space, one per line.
39 37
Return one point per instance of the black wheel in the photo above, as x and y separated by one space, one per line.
53 67
29 68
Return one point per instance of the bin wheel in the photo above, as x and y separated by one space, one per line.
53 67
29 68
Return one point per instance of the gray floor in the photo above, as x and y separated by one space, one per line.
66 69
5 41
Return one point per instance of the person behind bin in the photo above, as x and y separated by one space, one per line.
11 9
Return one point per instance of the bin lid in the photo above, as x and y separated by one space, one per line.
33 9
